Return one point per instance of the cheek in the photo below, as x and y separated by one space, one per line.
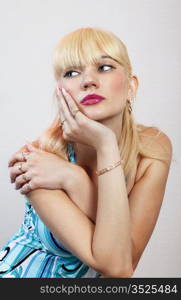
118 86
71 86
118 92
66 85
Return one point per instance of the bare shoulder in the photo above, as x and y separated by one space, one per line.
161 144
160 140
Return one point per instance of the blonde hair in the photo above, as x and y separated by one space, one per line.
83 46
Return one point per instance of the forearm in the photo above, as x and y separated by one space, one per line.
82 193
112 236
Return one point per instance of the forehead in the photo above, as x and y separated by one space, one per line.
67 58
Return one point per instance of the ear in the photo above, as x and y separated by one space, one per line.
133 86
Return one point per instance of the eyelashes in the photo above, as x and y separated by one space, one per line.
68 73
106 66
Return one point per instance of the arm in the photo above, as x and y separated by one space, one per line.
92 242
82 192
66 176
146 197
145 202
113 216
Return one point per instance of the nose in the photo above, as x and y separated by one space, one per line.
89 79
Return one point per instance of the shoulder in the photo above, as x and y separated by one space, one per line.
160 140
161 144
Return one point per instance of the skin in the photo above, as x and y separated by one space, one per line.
130 221
109 82
108 79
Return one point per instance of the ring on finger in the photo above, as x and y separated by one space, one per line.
24 155
20 167
61 123
27 188
74 112
24 177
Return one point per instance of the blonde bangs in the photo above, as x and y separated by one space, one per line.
84 46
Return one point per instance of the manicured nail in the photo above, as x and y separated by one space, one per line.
64 92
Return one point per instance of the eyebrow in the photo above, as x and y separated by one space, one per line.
107 56
103 56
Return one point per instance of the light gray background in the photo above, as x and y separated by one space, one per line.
29 31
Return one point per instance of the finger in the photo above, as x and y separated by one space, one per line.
30 147
60 110
59 97
65 109
21 180
61 113
71 103
26 188
17 170
62 120
17 157
66 126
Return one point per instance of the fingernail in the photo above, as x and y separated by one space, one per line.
64 92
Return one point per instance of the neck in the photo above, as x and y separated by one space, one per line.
87 155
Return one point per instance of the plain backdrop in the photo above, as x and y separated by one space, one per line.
29 31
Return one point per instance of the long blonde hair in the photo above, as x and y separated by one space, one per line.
81 47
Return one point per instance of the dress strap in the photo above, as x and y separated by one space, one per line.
71 152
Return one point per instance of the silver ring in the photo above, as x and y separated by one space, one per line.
24 155
20 167
61 123
74 112
24 177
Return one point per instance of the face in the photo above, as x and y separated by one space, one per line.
106 78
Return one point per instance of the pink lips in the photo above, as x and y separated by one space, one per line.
91 99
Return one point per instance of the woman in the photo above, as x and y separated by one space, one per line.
95 180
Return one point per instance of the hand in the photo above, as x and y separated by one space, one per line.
40 169
78 127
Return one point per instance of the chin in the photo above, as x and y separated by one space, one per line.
100 115
96 116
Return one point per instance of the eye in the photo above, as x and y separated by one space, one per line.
107 66
68 74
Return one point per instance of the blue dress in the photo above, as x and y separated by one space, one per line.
33 252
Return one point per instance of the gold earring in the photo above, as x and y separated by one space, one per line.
130 103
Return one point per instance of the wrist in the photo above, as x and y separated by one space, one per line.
107 145
108 155
72 175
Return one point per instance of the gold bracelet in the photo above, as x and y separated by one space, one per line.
109 168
